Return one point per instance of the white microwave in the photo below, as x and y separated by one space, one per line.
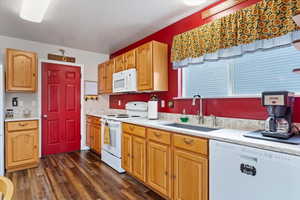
124 81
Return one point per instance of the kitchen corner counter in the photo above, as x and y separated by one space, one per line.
226 135
21 119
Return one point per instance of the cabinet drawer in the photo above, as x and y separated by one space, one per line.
135 130
159 136
92 119
197 145
96 120
21 125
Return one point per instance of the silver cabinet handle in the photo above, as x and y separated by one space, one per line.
45 116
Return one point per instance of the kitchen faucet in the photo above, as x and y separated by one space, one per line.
200 111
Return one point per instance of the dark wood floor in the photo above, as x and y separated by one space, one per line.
78 175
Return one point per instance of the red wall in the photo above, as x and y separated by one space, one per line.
248 108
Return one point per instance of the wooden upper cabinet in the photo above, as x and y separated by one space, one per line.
101 78
21 71
105 73
152 67
190 176
144 67
130 59
109 70
119 64
159 167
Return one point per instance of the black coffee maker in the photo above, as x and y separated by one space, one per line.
279 105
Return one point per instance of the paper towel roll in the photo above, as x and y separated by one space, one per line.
152 109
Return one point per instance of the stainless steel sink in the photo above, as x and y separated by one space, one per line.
191 127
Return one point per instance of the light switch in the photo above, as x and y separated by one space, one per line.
21 103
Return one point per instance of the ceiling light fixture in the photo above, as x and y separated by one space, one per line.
194 2
34 10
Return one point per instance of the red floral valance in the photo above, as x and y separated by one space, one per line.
264 20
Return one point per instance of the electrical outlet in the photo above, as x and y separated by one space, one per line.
163 103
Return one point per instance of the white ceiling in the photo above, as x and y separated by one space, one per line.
101 26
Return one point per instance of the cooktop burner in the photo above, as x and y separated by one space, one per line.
123 116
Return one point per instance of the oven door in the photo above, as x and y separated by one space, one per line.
119 82
115 129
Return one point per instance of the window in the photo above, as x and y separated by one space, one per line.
250 74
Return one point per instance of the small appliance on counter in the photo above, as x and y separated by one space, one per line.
26 112
278 125
153 108
280 110
9 113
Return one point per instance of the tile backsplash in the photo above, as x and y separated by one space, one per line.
25 101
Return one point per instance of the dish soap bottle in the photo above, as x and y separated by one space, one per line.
184 118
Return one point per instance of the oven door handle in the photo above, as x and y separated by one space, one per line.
113 123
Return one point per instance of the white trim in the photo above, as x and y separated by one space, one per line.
82 124
221 97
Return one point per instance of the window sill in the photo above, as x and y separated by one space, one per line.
222 97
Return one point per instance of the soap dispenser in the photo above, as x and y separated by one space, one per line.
184 118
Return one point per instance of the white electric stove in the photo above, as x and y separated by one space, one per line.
111 153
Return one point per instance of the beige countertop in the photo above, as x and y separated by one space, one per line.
21 119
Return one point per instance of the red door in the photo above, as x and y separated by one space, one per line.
60 108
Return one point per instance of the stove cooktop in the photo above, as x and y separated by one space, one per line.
123 116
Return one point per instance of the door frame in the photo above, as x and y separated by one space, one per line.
82 127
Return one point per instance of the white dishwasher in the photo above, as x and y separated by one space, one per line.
244 173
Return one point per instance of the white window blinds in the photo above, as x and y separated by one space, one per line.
250 74
267 70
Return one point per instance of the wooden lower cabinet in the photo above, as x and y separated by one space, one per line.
190 176
168 163
127 152
139 158
159 167
21 145
93 133
97 139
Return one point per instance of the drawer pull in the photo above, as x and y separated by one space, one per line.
188 141
131 128
157 134
23 124
128 155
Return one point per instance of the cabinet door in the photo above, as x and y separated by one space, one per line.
139 158
127 152
88 134
101 78
22 148
109 70
130 59
97 139
119 64
92 137
190 176
21 68
159 167
144 67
